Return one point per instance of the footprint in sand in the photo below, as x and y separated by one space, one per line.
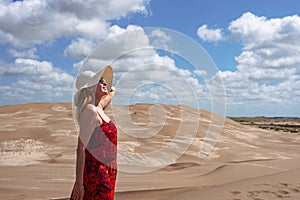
283 192
235 192
253 194
295 190
284 184
279 190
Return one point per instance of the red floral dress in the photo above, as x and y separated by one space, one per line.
100 170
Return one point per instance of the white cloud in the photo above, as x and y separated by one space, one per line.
129 49
80 48
160 34
184 72
34 81
209 34
120 41
268 67
200 72
159 39
260 32
26 24
36 21
24 53
136 64
91 28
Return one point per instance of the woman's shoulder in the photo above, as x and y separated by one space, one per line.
88 117
89 109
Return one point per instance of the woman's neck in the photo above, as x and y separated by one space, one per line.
97 100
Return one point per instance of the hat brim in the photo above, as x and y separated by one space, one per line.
105 73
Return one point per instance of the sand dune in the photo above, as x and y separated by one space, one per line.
38 141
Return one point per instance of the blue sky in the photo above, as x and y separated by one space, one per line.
253 52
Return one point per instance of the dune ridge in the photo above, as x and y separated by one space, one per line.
38 142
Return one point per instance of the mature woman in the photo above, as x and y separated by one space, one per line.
96 165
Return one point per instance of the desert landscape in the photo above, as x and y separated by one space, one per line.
38 143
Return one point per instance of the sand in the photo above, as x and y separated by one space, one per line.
38 143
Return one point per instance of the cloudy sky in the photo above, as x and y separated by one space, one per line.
242 55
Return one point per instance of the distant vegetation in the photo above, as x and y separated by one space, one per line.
285 124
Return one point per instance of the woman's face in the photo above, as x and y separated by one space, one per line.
101 88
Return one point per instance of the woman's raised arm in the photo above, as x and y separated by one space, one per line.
107 98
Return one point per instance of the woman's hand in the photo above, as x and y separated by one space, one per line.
113 89
78 191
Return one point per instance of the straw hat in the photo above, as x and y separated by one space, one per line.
88 78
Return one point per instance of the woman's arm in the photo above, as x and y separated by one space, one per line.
78 189
87 123
80 161
107 98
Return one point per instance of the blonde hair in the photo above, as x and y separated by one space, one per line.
84 99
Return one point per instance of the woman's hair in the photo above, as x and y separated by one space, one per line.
85 98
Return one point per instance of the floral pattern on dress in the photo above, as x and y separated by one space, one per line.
100 170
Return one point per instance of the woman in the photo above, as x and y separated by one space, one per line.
96 164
